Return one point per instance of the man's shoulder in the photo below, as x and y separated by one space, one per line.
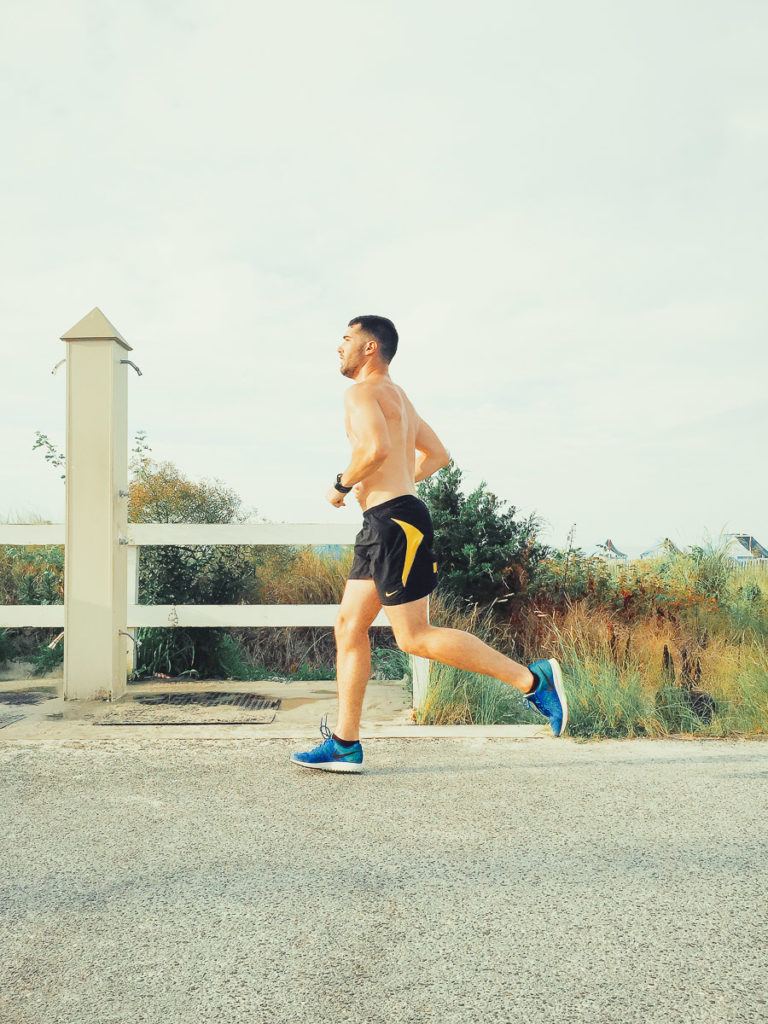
364 393
364 388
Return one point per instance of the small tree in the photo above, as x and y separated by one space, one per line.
175 574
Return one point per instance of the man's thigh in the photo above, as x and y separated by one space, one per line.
359 606
409 620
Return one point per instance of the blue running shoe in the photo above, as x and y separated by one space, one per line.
549 696
329 756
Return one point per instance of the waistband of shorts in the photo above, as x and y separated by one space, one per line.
401 499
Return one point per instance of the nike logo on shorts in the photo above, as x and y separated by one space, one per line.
388 594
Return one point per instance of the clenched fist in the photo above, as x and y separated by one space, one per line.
335 497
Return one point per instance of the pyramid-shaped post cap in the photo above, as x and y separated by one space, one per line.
95 327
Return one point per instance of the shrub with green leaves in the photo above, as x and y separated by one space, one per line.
483 552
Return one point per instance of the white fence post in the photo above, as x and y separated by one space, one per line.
420 672
133 598
95 546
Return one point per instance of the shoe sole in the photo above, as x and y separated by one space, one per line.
557 675
347 768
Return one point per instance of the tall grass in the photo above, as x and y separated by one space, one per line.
672 646
682 652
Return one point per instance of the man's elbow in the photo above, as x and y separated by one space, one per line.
436 459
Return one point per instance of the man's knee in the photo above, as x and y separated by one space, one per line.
413 643
348 627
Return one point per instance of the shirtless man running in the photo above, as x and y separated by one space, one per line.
394 566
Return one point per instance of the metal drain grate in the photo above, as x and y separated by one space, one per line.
207 708
209 699
8 718
24 696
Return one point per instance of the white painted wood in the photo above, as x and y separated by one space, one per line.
31 533
95 327
147 534
133 575
132 599
95 574
16 616
238 615
152 534
420 672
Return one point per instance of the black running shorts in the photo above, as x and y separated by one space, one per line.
394 548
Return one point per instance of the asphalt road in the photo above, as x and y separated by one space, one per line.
179 881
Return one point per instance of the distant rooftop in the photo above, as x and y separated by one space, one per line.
661 548
743 547
608 551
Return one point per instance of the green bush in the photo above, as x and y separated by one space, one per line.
483 553
197 574
44 659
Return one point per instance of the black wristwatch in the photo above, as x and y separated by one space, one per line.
340 486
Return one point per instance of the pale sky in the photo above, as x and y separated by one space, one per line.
561 206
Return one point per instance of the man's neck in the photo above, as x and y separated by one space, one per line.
374 376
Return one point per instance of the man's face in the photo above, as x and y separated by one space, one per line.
351 350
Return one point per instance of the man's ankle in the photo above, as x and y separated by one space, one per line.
344 743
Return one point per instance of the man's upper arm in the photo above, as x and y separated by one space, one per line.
428 442
367 423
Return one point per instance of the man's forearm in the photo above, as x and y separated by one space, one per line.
426 465
361 466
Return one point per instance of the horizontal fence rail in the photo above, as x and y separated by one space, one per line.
31 534
181 534
198 615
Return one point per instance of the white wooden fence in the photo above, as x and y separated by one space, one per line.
101 548
754 564
199 615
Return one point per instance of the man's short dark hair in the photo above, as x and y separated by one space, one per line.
383 330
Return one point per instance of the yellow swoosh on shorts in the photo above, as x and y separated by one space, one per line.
414 537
